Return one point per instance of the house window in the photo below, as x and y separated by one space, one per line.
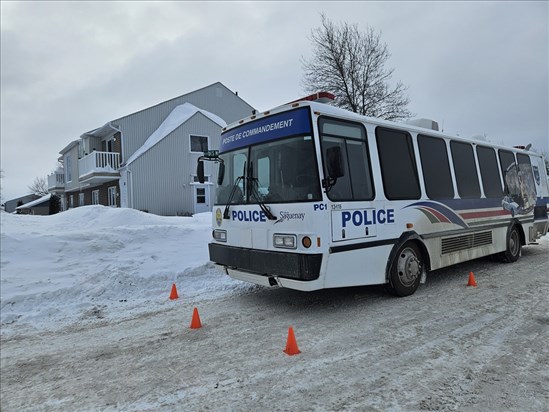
206 179
95 197
68 169
81 199
200 195
71 201
112 196
199 144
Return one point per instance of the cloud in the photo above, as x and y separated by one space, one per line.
68 67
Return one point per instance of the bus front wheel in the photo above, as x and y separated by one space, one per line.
406 270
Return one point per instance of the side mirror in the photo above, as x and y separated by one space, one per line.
221 174
334 162
200 171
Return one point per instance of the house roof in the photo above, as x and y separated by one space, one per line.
69 146
107 129
35 202
111 126
176 118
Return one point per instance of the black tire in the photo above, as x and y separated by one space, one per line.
514 246
406 270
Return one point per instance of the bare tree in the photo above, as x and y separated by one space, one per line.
352 65
39 186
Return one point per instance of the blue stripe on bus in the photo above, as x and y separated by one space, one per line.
468 204
294 122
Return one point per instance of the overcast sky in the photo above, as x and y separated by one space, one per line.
69 67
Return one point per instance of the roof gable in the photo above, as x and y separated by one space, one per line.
176 118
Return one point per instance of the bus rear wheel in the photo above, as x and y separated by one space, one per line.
406 270
514 246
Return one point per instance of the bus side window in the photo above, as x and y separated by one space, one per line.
398 164
341 189
465 170
489 172
508 168
436 168
526 182
354 180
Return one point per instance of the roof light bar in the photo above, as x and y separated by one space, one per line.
320 97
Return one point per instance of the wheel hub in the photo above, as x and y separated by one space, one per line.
409 267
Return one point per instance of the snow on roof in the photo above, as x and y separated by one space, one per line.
105 130
176 118
35 202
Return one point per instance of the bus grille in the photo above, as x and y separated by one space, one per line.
455 244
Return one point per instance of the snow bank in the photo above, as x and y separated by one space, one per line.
101 262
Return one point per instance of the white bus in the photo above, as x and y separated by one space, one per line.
310 196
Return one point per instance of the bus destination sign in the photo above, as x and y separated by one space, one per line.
294 122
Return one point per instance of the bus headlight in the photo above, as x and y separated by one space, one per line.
220 235
284 241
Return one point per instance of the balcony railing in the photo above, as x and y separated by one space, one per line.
99 163
56 180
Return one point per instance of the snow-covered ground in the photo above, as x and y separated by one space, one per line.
86 324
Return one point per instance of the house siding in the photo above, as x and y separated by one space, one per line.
161 180
74 183
162 176
217 99
103 194
10 205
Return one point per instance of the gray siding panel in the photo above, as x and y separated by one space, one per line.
163 176
217 99
160 180
74 183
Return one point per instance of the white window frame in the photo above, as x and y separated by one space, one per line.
205 195
81 199
71 201
195 179
68 168
198 135
112 196
95 197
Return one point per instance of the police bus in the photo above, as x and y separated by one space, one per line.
310 196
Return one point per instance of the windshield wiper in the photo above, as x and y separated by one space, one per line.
253 190
230 199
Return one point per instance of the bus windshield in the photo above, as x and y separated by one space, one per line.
278 171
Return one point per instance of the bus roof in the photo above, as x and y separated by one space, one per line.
333 111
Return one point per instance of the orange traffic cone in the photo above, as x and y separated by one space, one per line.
472 281
291 344
173 293
195 322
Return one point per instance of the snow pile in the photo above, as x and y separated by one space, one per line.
100 262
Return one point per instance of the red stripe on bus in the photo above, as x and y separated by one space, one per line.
439 215
488 213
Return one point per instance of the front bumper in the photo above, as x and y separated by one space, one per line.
267 263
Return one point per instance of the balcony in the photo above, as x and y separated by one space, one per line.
56 181
99 167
